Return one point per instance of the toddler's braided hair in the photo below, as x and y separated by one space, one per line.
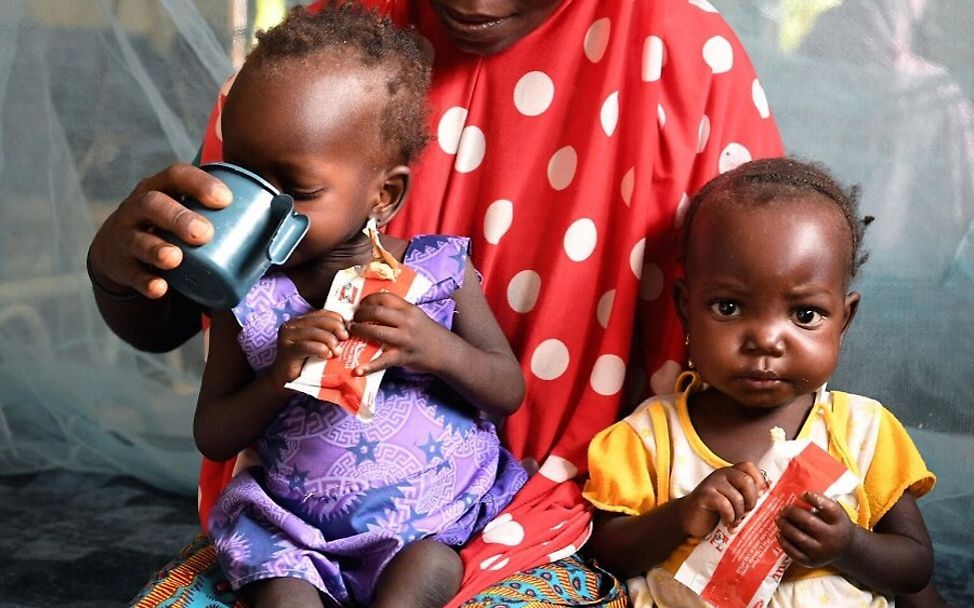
347 26
761 181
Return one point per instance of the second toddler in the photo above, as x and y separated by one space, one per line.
770 249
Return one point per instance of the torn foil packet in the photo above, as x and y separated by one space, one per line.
742 568
333 379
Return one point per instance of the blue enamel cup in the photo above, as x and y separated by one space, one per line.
257 230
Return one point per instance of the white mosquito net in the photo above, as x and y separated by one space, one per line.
94 94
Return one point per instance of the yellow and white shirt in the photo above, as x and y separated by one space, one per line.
655 455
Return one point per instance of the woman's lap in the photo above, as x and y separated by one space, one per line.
194 580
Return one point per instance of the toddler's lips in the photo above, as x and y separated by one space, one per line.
761 378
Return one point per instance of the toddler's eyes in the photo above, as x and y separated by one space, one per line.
305 195
302 196
725 308
808 317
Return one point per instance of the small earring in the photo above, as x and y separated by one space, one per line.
686 342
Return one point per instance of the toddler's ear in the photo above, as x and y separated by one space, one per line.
850 309
392 193
680 296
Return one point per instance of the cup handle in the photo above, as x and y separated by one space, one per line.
289 232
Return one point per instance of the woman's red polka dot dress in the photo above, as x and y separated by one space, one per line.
568 159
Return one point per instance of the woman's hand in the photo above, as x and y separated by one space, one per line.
315 334
725 495
127 253
407 335
817 536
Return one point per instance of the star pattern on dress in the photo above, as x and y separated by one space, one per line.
469 499
273 448
452 419
409 532
460 259
433 448
364 450
296 481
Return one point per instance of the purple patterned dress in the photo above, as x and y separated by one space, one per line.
338 498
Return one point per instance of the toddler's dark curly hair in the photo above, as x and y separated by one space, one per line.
761 181
400 52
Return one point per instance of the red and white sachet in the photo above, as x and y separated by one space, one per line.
333 379
742 569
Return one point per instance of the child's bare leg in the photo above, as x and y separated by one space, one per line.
285 592
425 574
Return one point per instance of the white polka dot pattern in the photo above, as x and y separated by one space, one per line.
654 55
470 153
497 220
732 156
558 469
719 54
503 530
550 359
608 375
627 185
561 168
523 290
704 5
450 128
494 562
609 116
604 309
534 93
597 39
681 210
703 133
760 99
580 239
563 553
636 257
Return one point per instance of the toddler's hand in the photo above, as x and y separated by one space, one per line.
315 334
817 536
725 495
407 335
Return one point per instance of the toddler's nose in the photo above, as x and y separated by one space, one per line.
766 339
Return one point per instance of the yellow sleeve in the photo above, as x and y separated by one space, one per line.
896 467
620 472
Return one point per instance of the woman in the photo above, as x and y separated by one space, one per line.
568 133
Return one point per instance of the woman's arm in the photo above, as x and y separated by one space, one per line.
152 325
475 358
127 254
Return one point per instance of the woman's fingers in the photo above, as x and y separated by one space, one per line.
183 179
153 250
128 253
